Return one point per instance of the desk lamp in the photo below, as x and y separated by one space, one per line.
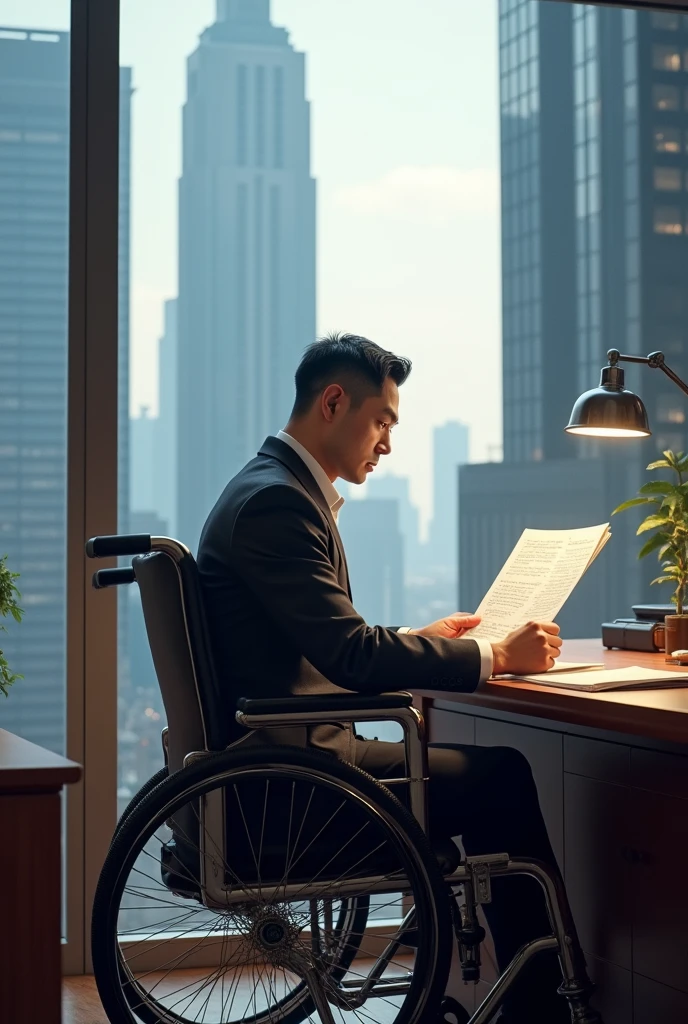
610 410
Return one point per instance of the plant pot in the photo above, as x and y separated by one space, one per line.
675 633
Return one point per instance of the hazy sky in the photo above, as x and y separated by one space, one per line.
405 151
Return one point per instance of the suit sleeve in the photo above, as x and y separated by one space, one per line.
279 547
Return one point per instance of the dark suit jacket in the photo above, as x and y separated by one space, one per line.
278 602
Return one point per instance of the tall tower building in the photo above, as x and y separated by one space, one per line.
34 210
165 443
594 256
397 488
375 555
246 306
449 451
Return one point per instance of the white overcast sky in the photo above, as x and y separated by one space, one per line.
404 98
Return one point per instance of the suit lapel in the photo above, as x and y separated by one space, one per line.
276 449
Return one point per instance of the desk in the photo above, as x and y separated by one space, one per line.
612 774
31 880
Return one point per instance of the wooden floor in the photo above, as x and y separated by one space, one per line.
80 1002
81 1005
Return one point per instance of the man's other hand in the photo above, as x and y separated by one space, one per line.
532 648
452 627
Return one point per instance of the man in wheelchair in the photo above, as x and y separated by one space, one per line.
282 624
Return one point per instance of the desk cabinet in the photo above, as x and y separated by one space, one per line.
617 814
597 869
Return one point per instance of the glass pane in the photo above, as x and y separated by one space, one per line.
668 139
34 252
34 211
667 179
499 244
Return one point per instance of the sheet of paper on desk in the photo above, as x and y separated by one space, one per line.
630 678
537 578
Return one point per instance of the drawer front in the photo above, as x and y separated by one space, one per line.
599 880
660 773
613 996
595 759
657 1004
450 727
660 897
543 751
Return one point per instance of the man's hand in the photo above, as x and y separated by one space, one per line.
532 648
452 627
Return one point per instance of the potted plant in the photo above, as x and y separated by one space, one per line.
668 525
8 606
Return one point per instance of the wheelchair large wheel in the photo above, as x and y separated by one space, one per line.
323 886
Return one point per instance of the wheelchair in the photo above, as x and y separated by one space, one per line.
252 883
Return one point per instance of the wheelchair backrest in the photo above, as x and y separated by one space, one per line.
172 602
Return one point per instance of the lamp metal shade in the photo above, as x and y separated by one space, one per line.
609 411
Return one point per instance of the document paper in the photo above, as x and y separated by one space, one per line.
537 578
629 678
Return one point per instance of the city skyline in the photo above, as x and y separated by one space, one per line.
247 272
34 252
594 256
412 168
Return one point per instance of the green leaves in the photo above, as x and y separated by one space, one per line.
659 540
632 502
669 519
652 522
9 593
657 487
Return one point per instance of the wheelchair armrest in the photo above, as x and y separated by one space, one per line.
323 702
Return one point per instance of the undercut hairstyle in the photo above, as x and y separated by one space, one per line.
358 364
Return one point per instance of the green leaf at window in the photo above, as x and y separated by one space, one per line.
659 540
651 523
632 502
657 487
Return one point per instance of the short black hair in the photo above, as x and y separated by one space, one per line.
357 363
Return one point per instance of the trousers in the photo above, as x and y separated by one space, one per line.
487 797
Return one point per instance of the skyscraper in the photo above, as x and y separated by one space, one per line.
165 442
34 208
246 305
594 256
449 451
397 488
375 556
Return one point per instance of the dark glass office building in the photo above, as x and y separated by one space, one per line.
594 116
34 205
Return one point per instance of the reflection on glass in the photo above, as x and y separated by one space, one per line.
665 97
667 140
666 21
667 220
666 58
667 179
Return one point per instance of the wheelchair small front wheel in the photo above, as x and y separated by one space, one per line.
246 878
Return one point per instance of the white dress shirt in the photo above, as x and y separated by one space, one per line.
335 502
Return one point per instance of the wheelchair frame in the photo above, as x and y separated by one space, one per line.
473 875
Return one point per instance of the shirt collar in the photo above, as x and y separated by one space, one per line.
330 493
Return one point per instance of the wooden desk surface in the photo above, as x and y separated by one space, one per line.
655 714
26 766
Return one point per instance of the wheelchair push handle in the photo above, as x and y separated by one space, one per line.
112 578
114 545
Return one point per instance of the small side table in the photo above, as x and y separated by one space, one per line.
31 779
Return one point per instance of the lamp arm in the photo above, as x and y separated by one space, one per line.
655 360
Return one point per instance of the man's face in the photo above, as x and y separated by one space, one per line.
364 434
